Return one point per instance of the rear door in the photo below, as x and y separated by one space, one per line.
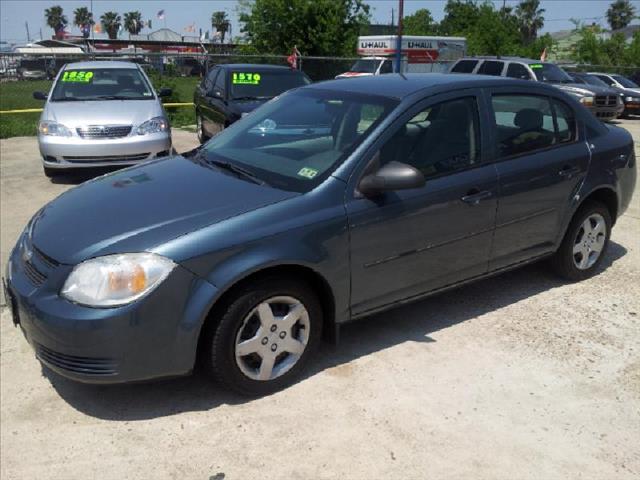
408 242
541 160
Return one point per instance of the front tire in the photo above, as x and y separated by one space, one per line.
585 242
265 337
202 136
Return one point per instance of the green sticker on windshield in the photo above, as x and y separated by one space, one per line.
244 78
77 76
308 172
535 65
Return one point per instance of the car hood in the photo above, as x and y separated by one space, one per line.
107 112
634 92
141 207
578 88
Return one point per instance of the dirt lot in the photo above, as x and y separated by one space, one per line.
520 376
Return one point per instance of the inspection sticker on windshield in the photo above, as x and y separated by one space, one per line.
535 65
243 78
78 76
308 172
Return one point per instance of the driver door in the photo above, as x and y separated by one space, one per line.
408 242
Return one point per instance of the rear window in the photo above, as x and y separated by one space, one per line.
490 67
258 84
464 66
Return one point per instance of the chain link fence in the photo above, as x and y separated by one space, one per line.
21 75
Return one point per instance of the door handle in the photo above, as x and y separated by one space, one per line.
475 196
569 172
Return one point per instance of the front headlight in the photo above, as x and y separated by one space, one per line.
587 101
115 280
155 125
632 99
53 129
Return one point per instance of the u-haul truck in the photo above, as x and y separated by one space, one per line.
418 55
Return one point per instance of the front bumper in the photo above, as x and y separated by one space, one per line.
632 108
76 152
153 337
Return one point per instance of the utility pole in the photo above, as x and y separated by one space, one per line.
399 46
26 24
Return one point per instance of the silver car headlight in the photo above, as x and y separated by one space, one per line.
155 125
587 101
53 129
115 280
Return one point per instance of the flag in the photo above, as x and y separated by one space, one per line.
293 58
160 15
543 55
97 28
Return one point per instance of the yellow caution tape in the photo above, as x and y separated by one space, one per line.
37 110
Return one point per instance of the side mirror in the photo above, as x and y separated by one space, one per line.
392 176
165 92
39 95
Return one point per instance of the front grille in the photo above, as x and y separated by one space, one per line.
104 131
36 277
71 363
606 100
107 158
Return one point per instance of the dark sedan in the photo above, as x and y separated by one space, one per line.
327 204
230 91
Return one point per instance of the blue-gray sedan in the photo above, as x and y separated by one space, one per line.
327 204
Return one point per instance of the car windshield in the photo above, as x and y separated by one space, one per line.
297 140
101 84
625 82
365 66
592 80
548 72
264 84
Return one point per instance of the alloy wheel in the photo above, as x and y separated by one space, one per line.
589 242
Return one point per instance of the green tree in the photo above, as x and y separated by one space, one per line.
420 23
220 23
316 27
620 14
530 19
111 24
83 19
56 19
588 49
133 22
459 17
495 32
632 53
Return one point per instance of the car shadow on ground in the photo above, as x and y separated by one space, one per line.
413 322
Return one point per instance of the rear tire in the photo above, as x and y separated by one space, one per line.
585 242
257 350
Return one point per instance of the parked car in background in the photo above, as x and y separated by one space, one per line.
189 67
32 69
589 81
630 89
228 92
101 114
601 102
332 202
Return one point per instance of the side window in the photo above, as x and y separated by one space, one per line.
605 79
490 67
566 121
220 82
441 139
464 66
368 115
210 79
387 67
517 70
524 123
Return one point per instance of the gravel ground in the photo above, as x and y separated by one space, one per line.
519 376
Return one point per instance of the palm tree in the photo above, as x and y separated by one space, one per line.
133 22
83 19
221 23
56 20
620 14
530 19
111 24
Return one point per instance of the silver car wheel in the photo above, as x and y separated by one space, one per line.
272 338
199 128
589 242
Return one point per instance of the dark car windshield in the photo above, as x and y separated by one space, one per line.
548 72
101 84
625 82
592 80
265 83
297 140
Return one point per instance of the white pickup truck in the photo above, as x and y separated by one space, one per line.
419 54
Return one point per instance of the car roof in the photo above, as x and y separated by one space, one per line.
102 64
395 85
255 67
528 61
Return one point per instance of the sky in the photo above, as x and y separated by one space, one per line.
181 13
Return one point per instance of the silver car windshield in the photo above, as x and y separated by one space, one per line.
101 84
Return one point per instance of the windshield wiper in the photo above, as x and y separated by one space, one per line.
201 156
248 97
113 97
